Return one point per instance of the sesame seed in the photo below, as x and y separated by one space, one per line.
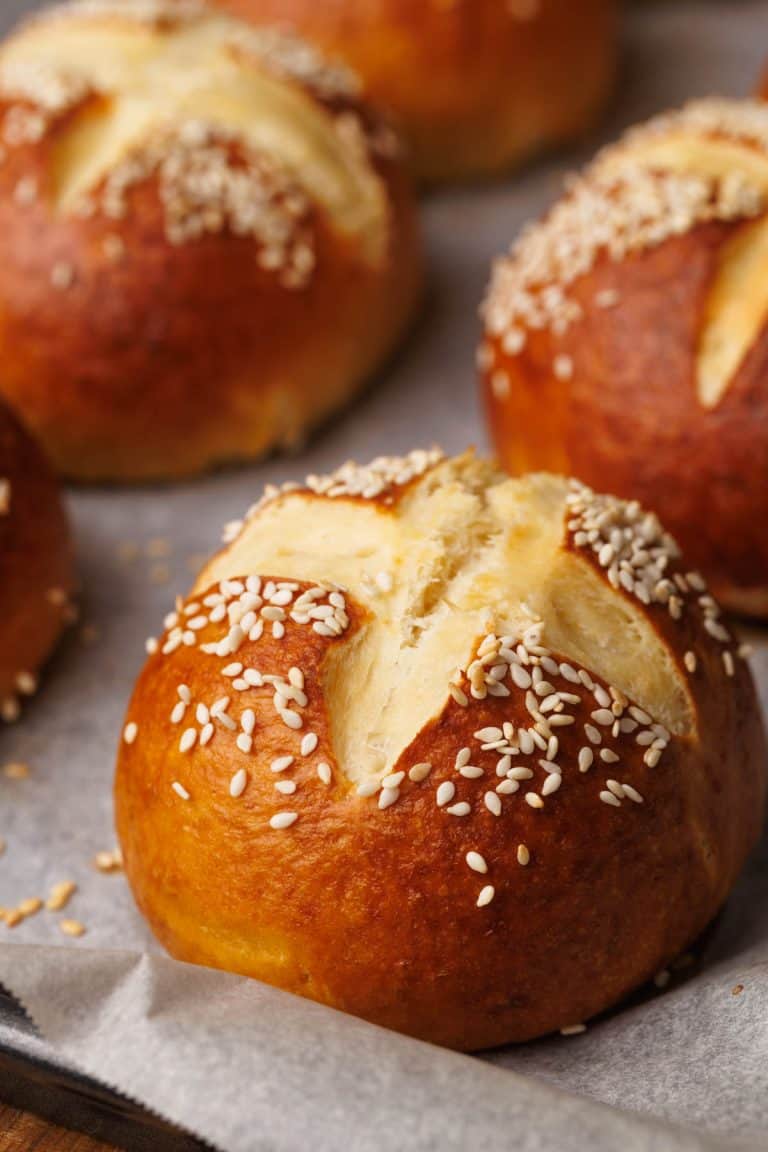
492 803
609 798
508 787
308 744
368 788
690 661
486 896
523 855
283 820
238 783
72 927
180 790
130 732
445 793
290 718
387 797
188 740
534 800
573 1030
551 784
460 809
476 862
563 367
419 772
632 793
324 772
108 861
285 787
586 759
60 895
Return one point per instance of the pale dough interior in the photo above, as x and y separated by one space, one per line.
737 306
468 551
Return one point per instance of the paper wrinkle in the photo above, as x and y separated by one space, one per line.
247 1067
268 1066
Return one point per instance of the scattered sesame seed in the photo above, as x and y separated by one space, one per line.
486 896
72 927
16 770
180 790
523 855
130 732
60 895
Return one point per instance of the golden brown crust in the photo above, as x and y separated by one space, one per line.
36 567
467 926
505 79
614 394
138 344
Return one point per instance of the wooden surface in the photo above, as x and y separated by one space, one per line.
21 1132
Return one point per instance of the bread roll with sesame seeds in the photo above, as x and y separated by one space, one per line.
36 566
411 750
210 242
475 86
626 336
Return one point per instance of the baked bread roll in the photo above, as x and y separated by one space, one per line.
210 243
407 751
474 85
626 336
36 568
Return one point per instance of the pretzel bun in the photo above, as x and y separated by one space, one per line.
430 767
626 336
36 568
209 241
475 85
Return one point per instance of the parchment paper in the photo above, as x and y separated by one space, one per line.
247 1067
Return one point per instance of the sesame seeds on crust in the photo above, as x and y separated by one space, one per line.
277 51
618 206
638 557
46 91
505 764
384 479
208 182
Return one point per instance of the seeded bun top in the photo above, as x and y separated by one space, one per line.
707 162
185 193
635 313
483 728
